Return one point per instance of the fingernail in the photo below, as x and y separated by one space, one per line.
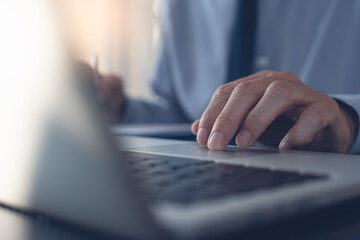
284 145
243 138
202 136
216 141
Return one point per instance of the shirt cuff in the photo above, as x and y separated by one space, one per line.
132 109
352 102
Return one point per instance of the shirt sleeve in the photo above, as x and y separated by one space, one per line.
156 111
352 101
164 107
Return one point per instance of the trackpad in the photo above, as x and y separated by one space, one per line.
195 150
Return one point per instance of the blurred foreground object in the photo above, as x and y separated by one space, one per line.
33 67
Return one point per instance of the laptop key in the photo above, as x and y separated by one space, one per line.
186 181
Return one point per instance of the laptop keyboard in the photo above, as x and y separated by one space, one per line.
184 180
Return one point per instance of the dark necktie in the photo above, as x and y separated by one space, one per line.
243 40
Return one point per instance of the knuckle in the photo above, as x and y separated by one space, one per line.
222 91
255 120
206 116
245 89
206 120
279 91
288 76
286 73
316 119
332 102
225 120
266 72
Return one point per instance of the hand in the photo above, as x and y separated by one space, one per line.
251 104
108 90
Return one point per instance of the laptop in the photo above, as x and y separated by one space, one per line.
59 160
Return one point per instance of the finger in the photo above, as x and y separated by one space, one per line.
243 98
311 121
217 103
195 126
279 97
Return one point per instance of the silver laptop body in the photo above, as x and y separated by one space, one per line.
59 160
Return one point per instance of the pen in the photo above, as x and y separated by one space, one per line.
94 66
